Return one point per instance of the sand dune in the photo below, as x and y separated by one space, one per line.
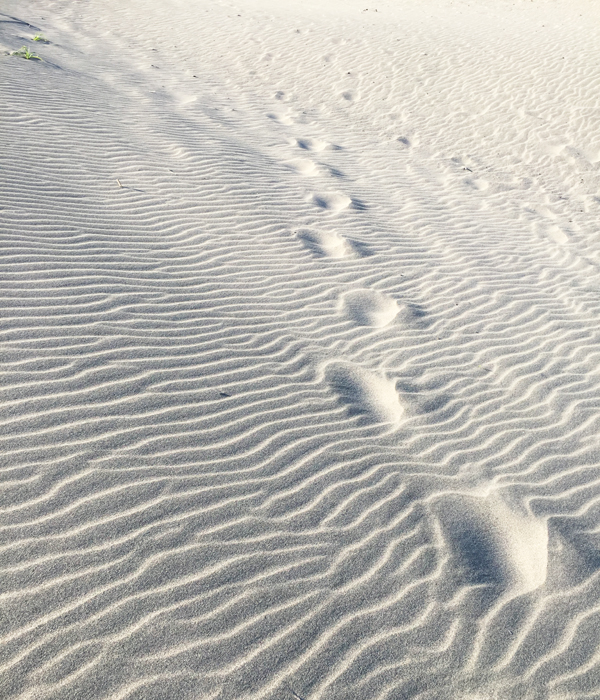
300 342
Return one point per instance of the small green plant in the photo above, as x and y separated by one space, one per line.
24 52
42 38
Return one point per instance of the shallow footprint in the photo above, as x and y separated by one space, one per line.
367 307
312 145
556 234
280 118
325 243
364 392
305 166
477 183
333 201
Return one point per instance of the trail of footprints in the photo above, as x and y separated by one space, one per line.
365 393
491 543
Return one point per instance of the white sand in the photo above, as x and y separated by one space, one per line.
301 342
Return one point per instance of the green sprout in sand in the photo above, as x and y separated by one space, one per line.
24 52
42 38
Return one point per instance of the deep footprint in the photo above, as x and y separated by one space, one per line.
493 544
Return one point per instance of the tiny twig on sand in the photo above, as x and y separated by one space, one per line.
294 693
119 182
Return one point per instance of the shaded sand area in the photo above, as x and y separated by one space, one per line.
301 350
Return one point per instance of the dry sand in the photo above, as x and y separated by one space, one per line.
301 350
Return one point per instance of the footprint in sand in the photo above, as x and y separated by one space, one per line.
493 544
552 230
556 234
312 145
331 245
280 118
304 166
369 308
477 183
553 148
365 393
332 201
325 243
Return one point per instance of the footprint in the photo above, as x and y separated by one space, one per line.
408 140
541 210
592 154
553 148
305 166
184 99
312 145
477 183
366 393
493 544
280 118
333 201
369 308
325 243
556 234
586 157
465 161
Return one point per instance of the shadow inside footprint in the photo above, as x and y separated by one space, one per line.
332 245
492 544
332 201
365 393
368 307
312 145
325 243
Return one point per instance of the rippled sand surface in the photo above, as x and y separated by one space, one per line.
300 340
